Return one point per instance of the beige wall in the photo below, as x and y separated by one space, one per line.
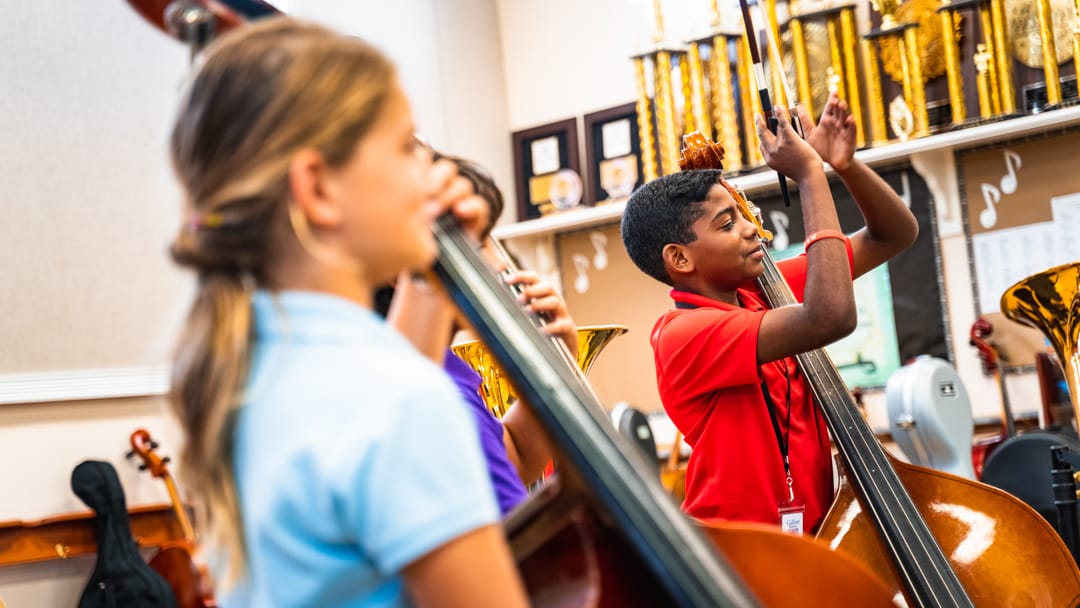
90 302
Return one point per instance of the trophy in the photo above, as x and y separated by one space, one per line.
840 23
994 74
906 39
663 59
712 92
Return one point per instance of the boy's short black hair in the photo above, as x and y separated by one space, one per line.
663 211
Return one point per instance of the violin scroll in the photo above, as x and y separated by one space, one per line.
700 153
979 338
143 447
196 22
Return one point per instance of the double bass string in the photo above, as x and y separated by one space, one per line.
877 479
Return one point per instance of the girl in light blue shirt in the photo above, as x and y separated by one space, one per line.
336 465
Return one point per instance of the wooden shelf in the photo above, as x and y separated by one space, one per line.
586 217
73 534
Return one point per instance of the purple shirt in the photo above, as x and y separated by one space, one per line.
509 489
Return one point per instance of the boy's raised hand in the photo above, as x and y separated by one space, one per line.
786 152
834 137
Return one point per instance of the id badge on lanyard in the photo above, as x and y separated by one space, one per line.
790 511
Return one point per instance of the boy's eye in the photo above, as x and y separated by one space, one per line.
727 226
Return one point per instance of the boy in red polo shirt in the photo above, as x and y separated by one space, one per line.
725 362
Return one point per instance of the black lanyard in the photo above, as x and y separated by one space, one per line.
781 437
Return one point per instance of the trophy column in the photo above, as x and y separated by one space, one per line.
840 24
993 63
712 84
649 166
911 111
663 59
1049 53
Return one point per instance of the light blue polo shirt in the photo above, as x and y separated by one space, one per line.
354 456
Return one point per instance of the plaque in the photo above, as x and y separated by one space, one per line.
547 174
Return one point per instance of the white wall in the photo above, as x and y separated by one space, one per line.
567 58
87 96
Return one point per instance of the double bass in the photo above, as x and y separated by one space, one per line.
936 539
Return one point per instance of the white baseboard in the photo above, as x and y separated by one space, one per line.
78 385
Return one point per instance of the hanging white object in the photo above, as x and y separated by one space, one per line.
930 416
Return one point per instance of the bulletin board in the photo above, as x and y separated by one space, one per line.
1021 211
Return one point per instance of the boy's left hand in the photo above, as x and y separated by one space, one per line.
834 137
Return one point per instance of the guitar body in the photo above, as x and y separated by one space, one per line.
1003 552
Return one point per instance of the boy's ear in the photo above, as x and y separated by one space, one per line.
677 260
312 186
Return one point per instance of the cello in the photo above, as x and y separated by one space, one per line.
190 582
936 539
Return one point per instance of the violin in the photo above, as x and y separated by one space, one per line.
174 561
937 539
991 364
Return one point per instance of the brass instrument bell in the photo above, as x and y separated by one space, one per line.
1050 302
495 387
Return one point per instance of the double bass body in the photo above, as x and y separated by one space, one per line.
1003 552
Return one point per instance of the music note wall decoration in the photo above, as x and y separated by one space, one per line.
779 222
599 243
988 217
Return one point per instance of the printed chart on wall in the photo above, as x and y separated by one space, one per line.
1022 214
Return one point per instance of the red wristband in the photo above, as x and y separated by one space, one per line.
832 234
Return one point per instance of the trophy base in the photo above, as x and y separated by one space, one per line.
1035 101
978 121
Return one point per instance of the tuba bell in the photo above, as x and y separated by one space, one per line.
1050 302
495 388
1047 301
